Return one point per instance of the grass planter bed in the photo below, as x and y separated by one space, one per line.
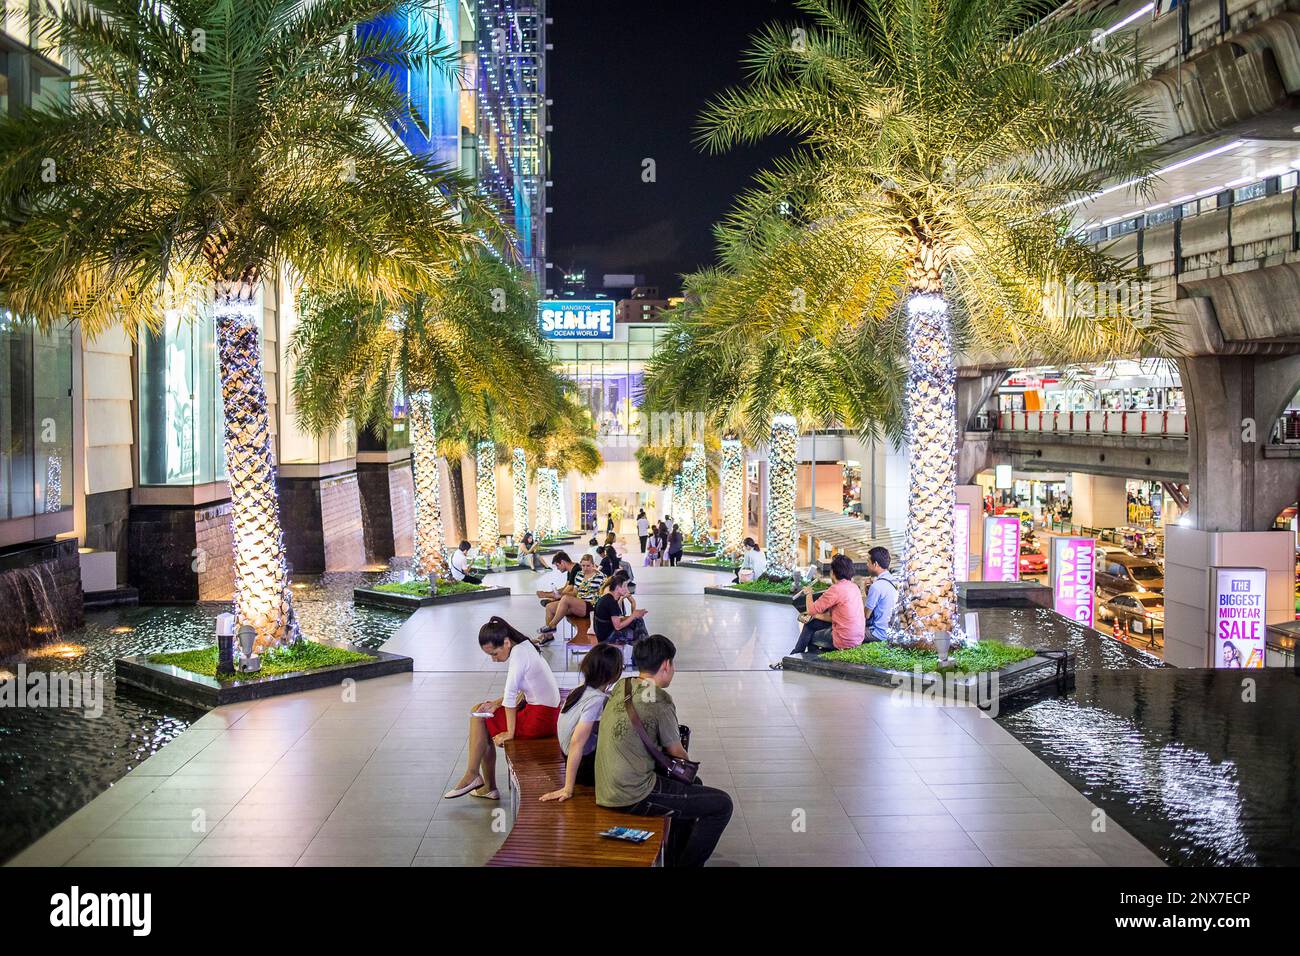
983 675
412 595
773 592
191 676
710 565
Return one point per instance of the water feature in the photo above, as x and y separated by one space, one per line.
1200 766
1197 764
40 594
53 761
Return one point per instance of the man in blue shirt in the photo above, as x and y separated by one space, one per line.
882 596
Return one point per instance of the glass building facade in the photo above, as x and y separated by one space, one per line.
181 419
36 437
610 375
506 69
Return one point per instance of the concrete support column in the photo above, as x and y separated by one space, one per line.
1232 403
1099 501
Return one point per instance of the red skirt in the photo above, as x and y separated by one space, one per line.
531 721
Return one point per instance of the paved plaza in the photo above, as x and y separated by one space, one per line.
823 772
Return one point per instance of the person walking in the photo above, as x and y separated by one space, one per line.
642 528
675 546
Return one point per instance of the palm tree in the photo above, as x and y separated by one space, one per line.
471 341
764 390
209 146
942 147
559 440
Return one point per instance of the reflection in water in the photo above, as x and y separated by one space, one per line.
54 761
1188 761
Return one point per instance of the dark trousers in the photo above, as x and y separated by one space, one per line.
472 579
674 557
699 816
644 539
816 635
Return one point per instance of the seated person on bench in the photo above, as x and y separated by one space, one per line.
625 770
552 586
528 709
579 722
578 597
837 619
608 619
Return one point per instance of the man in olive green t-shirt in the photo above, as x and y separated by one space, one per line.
625 770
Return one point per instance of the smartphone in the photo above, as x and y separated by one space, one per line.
481 713
628 834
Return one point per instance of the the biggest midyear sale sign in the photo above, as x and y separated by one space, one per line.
1237 604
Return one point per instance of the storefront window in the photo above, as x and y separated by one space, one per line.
36 465
181 421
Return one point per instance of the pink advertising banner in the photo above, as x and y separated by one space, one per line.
1237 607
1074 565
961 540
1002 548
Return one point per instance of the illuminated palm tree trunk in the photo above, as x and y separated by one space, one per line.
929 592
430 540
549 519
262 596
699 490
519 472
733 496
782 539
682 501
485 480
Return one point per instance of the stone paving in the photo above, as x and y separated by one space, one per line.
823 772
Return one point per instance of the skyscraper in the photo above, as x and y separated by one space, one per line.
507 72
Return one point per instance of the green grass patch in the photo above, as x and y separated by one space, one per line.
421 588
779 586
972 659
718 562
303 656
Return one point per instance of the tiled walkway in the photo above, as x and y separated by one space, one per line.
823 772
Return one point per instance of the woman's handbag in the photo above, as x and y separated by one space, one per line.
674 768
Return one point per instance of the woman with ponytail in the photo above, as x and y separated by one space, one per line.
527 710
579 721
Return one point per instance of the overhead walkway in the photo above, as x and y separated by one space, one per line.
852 536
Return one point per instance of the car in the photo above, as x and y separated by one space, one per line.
1121 573
1139 613
1032 561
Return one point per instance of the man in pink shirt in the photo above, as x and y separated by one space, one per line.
842 602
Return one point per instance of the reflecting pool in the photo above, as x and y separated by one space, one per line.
54 761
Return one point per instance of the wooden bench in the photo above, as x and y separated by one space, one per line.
568 833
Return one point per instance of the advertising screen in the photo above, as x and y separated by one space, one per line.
563 320
961 541
1001 548
1073 578
1237 604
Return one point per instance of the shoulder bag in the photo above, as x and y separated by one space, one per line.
674 768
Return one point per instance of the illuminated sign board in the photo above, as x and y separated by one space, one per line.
563 320
1237 606
1002 548
1074 565
1002 476
961 540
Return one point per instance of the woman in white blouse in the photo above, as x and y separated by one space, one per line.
528 709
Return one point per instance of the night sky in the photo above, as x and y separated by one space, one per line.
628 80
